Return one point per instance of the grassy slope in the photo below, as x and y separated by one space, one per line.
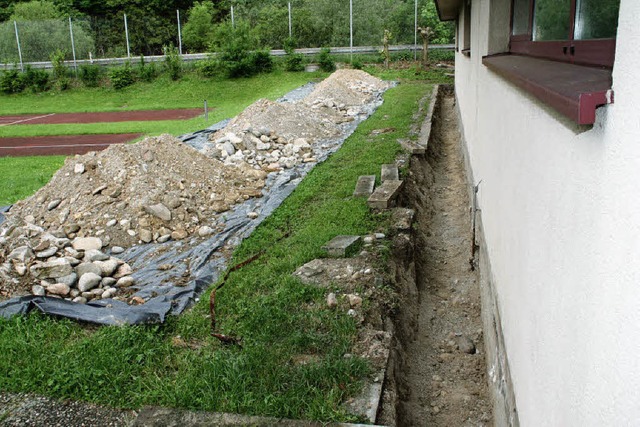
278 317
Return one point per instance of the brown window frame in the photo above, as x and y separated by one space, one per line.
598 52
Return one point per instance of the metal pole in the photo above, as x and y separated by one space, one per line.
179 34
290 32
15 25
233 20
126 32
415 33
351 28
73 46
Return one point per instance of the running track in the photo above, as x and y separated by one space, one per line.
79 144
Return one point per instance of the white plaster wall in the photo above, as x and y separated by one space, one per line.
561 213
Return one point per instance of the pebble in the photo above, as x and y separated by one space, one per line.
146 235
124 270
109 293
164 238
332 301
53 204
47 253
380 236
111 222
108 282
80 300
131 232
38 290
108 267
21 269
78 169
465 345
69 280
116 250
95 255
252 215
88 281
354 300
368 240
179 234
352 313
205 231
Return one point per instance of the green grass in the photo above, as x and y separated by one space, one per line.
23 176
278 317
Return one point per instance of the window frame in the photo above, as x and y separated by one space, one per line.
595 52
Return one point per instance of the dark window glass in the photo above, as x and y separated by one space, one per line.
521 10
551 20
596 19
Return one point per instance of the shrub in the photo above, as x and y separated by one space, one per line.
356 64
36 79
234 45
11 81
208 67
90 75
293 61
147 72
121 77
173 62
326 61
60 71
261 61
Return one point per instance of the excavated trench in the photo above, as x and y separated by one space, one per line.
437 371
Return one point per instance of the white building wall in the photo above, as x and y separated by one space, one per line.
561 214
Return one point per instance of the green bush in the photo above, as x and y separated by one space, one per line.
209 67
90 75
147 72
173 62
121 77
293 61
12 81
60 71
36 79
326 61
356 64
261 61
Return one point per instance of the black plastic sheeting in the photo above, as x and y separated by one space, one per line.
170 276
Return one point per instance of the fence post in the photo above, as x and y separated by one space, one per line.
206 111
233 20
351 28
15 25
126 31
290 32
179 33
73 46
415 33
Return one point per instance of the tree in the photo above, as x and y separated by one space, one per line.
441 32
198 30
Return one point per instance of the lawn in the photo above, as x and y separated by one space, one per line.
178 364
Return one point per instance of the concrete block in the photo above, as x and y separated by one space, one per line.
389 173
364 186
384 196
343 246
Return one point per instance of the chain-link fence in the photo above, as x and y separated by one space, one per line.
312 24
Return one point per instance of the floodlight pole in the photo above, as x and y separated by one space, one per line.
15 25
126 31
351 28
290 32
73 46
415 32
179 33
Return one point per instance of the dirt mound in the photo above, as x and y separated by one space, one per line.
346 88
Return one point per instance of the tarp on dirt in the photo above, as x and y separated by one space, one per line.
170 276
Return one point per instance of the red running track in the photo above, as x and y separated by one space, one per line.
61 145
105 117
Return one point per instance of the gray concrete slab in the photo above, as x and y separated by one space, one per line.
343 246
385 195
365 186
389 172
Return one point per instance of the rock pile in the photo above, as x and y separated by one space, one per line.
57 266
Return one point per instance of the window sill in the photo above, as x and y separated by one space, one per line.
466 52
573 90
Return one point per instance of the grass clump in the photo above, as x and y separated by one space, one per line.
178 364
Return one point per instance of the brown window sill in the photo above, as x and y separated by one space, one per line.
573 90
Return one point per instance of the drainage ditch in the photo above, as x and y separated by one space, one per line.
437 370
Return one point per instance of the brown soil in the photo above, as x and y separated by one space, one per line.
65 145
440 369
102 117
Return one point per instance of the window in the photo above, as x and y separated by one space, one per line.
575 31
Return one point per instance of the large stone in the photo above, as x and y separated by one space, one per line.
364 186
88 281
159 210
342 246
69 280
23 254
87 243
146 235
59 289
107 267
95 255
229 148
384 196
88 267
38 290
51 269
124 270
125 282
78 168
